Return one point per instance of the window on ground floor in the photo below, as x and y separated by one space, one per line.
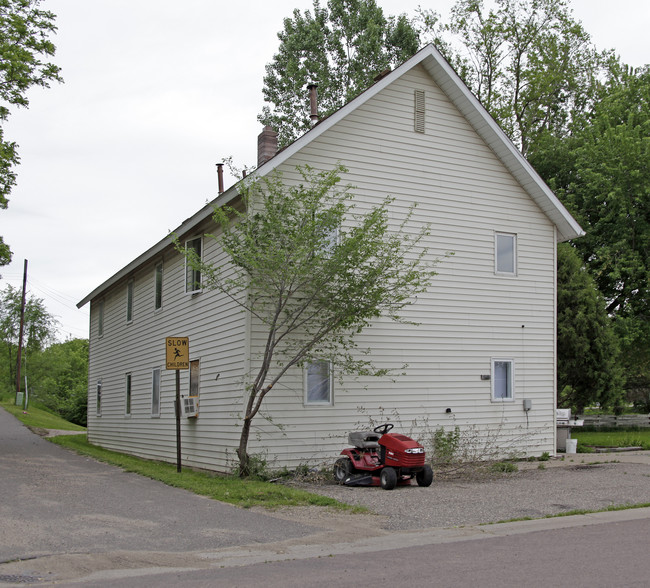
127 399
155 393
503 388
318 383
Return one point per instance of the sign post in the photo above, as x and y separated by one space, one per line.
177 353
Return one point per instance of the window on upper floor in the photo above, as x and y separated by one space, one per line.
505 253
99 398
318 383
503 388
158 280
130 287
193 276
100 319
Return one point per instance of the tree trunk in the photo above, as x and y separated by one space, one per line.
242 450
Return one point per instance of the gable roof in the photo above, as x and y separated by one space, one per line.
460 96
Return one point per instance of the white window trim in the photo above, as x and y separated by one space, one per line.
498 272
130 300
155 285
312 403
153 375
511 361
200 288
128 394
101 307
98 398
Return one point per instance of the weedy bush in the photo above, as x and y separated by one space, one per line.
504 467
446 445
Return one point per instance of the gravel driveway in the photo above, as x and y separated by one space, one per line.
582 481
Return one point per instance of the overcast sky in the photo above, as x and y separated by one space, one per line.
156 92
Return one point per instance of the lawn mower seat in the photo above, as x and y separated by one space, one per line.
364 439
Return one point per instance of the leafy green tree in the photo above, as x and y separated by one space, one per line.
589 370
24 47
341 48
609 192
528 62
312 273
58 378
602 173
39 328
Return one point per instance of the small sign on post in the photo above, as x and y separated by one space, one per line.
177 353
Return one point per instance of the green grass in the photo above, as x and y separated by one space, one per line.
623 438
38 417
244 493
231 489
574 512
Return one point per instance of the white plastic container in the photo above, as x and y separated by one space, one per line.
571 445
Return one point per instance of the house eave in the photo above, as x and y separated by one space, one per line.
185 227
451 84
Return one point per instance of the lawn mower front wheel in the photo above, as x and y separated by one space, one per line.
342 469
388 478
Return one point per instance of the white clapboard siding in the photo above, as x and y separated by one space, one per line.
470 315
217 334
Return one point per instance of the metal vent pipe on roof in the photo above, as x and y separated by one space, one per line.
220 176
313 103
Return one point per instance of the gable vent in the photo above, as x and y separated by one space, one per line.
419 111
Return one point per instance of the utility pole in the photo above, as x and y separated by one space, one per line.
22 330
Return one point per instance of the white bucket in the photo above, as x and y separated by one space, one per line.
571 445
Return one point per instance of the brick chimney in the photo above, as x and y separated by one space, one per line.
267 145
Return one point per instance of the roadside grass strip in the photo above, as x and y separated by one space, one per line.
571 513
38 418
244 493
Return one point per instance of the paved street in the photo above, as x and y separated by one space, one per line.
69 520
598 555
57 502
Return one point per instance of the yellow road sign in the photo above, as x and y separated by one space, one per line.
177 353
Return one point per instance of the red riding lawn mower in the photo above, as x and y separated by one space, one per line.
380 458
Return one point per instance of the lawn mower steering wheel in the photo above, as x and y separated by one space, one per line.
383 429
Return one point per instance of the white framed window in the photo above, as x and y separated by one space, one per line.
195 372
332 239
155 392
158 281
99 398
318 383
193 276
127 395
130 287
503 380
100 319
505 254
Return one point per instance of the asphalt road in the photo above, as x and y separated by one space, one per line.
57 502
68 520
600 555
